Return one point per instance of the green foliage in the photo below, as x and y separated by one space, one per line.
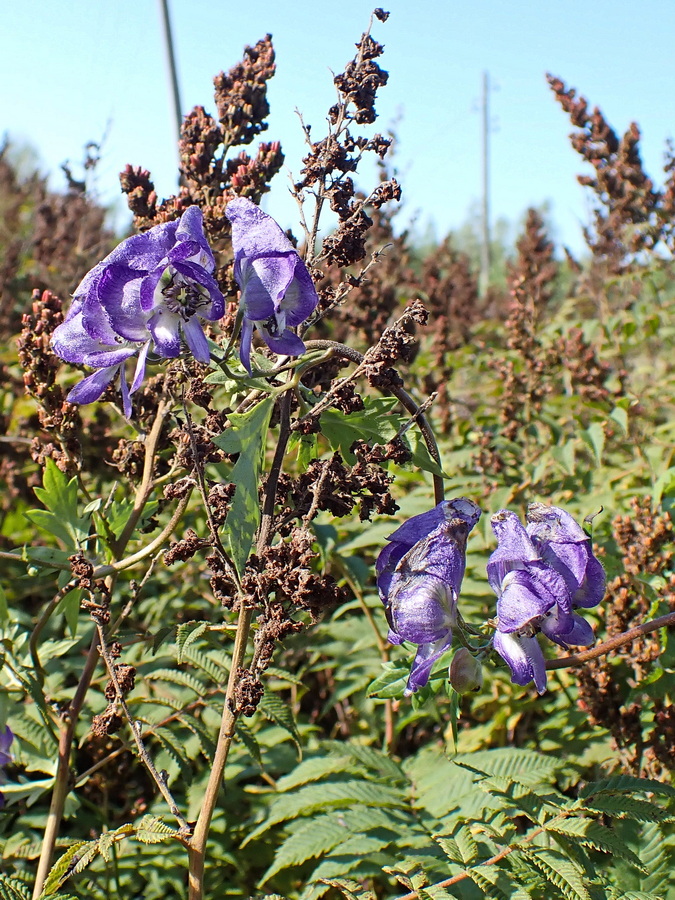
246 436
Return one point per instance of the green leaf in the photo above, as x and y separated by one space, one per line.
391 682
280 712
593 834
620 416
594 438
558 870
421 456
4 609
374 424
625 783
13 889
249 740
352 890
152 830
66 865
326 795
247 437
61 518
187 634
316 838
627 807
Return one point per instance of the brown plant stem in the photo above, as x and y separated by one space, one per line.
62 780
228 724
614 643
136 730
404 398
62 777
461 876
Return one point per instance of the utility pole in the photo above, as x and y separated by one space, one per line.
484 280
171 64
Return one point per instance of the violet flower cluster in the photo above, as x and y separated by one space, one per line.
149 295
277 291
541 573
419 575
6 738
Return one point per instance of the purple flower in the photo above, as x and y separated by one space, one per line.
148 295
277 291
419 575
540 574
6 738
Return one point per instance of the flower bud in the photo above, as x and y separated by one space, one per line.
466 672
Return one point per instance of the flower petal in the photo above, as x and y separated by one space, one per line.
529 593
423 609
164 326
91 387
524 657
245 344
196 339
285 344
514 547
426 656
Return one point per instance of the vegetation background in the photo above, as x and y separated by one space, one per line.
555 384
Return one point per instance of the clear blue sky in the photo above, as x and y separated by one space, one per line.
72 70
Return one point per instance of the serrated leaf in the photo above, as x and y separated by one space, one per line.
280 712
316 838
249 741
247 437
558 871
327 795
65 866
595 835
374 424
176 751
496 883
624 783
352 890
152 830
187 634
313 769
13 889
627 807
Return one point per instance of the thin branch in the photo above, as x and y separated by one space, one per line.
401 395
462 876
136 730
614 643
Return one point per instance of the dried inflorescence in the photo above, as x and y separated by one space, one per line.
398 342
40 367
645 543
450 290
209 178
282 584
330 485
629 213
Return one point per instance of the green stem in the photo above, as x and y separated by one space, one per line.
62 780
197 846
228 724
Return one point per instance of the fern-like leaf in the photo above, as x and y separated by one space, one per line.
13 889
558 871
593 834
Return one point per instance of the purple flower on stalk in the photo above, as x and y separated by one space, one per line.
277 291
6 738
419 575
540 575
148 295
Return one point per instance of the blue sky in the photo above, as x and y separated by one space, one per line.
74 70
